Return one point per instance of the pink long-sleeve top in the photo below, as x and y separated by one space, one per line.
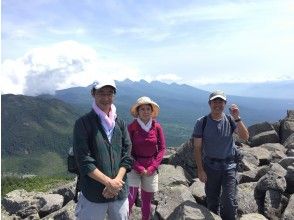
148 148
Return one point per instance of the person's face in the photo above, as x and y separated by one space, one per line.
104 97
145 112
217 106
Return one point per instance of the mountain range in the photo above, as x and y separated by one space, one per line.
283 89
42 125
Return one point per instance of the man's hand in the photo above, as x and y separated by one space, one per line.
115 184
234 111
202 176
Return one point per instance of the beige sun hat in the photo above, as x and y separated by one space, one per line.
142 101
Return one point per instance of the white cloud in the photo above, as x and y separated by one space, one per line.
63 65
170 77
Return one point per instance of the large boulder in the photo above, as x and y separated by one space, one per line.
185 158
287 126
290 179
177 202
262 133
253 216
289 213
67 191
67 212
263 155
246 198
198 191
273 204
32 205
289 142
273 180
170 175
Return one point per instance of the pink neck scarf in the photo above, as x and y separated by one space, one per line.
108 122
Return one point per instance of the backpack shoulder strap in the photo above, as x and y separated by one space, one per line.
231 122
204 122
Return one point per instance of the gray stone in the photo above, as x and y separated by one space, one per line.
288 161
265 137
287 129
289 213
273 205
170 175
289 142
177 202
17 200
252 175
67 191
253 216
198 191
246 198
262 133
66 212
49 203
185 158
290 179
263 155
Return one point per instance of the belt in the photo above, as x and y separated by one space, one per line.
228 159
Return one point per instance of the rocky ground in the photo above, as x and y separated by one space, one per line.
265 190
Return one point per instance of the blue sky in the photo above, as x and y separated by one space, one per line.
55 44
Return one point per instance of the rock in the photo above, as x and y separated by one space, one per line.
177 202
273 204
66 212
30 212
253 216
287 126
290 153
289 213
288 161
262 133
263 155
170 175
289 142
185 158
198 191
17 200
252 175
290 179
67 191
49 203
274 180
249 160
246 198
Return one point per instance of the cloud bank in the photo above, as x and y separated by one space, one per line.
62 65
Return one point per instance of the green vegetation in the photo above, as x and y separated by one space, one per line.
41 164
36 183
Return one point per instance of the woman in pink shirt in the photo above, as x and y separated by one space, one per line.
148 149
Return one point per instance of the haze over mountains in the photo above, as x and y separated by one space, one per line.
273 89
38 125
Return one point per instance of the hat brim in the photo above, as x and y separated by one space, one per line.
218 96
155 109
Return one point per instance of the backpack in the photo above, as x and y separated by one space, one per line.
72 165
238 154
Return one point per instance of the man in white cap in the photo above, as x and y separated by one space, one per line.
215 154
102 149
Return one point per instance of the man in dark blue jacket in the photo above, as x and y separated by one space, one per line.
102 150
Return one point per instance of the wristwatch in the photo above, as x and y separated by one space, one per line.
238 119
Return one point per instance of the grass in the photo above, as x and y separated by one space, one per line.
42 164
36 183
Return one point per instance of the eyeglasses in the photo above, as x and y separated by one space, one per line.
105 94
